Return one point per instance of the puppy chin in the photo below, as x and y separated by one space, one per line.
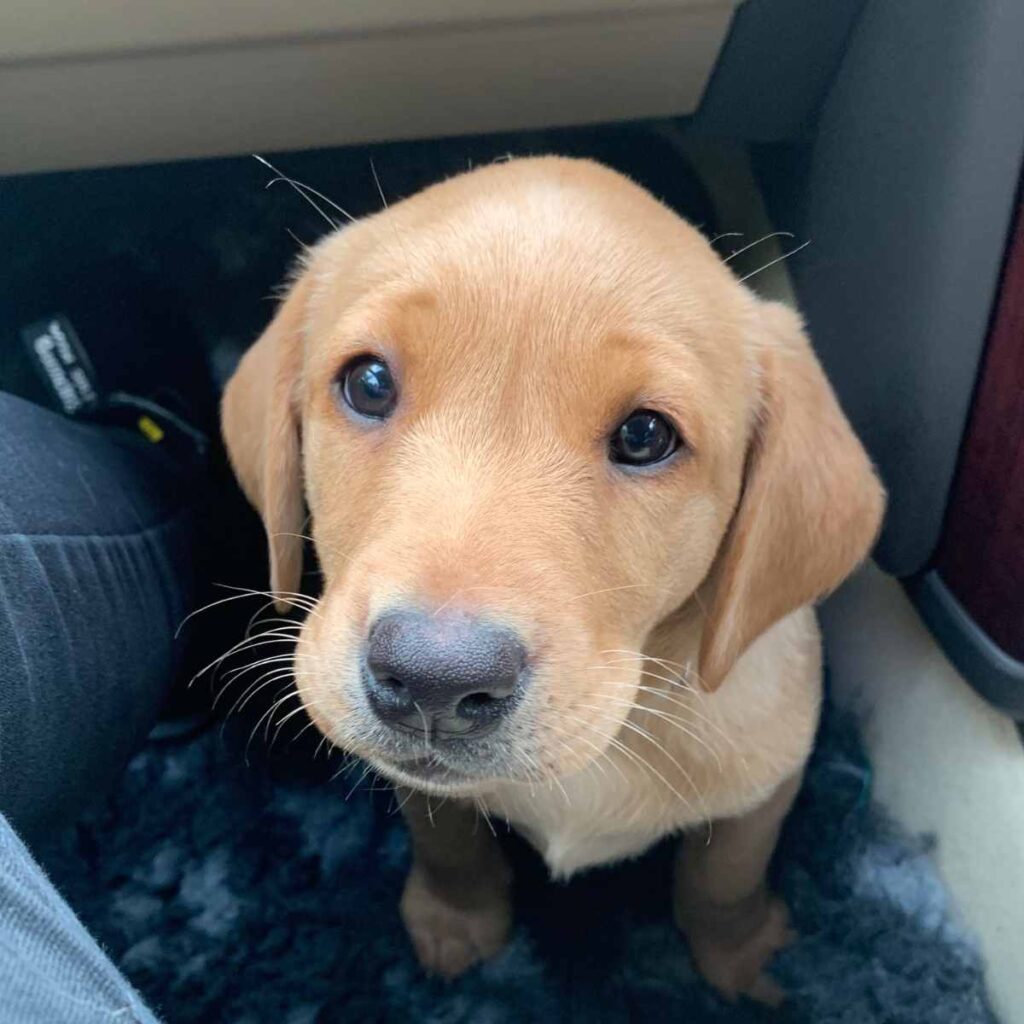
431 776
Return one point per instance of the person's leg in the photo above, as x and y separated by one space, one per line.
96 562
51 969
96 533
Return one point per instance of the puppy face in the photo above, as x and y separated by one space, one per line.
521 408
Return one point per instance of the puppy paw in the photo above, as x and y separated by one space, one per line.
737 966
450 937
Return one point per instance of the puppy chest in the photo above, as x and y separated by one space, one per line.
581 826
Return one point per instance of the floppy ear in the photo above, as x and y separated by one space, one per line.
260 423
810 508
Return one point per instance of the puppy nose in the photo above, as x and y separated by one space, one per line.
442 675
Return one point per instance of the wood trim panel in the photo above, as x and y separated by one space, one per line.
981 554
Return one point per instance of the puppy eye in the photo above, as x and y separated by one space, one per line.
642 439
368 387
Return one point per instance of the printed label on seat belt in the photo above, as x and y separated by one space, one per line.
62 363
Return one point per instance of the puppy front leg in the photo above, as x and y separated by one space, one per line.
456 905
722 904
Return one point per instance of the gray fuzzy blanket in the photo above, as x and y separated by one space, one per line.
259 894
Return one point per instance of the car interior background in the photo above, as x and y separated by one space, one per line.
860 159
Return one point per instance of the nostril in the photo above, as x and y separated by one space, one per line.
482 707
475 702
388 693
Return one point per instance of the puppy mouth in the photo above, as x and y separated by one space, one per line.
429 771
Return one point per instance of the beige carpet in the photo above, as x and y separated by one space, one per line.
945 763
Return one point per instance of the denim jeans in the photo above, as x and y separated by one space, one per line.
51 969
96 541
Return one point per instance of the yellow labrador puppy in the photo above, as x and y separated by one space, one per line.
573 489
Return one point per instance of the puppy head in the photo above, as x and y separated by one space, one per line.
530 412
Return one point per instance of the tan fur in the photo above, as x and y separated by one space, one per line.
526 308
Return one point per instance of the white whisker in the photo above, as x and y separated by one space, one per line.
757 241
376 181
642 762
778 259
304 191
